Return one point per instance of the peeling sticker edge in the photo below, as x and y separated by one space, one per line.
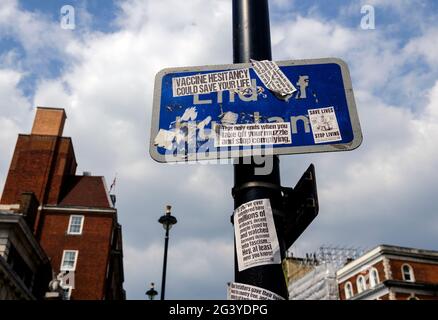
286 87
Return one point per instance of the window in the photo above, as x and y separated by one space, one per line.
69 259
348 290
361 286
75 225
374 277
408 273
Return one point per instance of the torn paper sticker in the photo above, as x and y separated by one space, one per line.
190 114
201 127
211 82
252 134
242 291
273 78
165 139
324 125
229 117
256 237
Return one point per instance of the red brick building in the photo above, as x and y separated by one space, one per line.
390 273
76 223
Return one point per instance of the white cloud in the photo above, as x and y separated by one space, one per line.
424 46
399 5
382 192
190 263
301 37
52 93
41 39
13 104
15 117
373 59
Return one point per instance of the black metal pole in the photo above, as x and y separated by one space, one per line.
251 40
163 280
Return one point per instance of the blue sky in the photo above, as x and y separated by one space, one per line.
102 73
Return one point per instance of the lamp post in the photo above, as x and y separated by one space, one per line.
151 293
167 221
252 40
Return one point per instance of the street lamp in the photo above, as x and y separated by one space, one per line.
152 292
167 221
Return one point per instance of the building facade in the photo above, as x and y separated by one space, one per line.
390 273
25 268
76 222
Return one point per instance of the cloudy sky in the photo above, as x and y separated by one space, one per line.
102 73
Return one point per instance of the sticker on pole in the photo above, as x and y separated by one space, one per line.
256 237
241 291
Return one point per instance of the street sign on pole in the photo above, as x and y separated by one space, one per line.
227 111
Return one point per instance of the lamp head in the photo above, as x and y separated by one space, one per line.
167 220
152 292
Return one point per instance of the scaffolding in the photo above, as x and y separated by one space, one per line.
338 255
318 282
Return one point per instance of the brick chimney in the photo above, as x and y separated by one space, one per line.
49 122
41 160
29 208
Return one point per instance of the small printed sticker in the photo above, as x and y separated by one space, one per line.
253 134
233 80
256 237
324 125
241 291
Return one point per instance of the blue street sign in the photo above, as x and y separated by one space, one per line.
227 111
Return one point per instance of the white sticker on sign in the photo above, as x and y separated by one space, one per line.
272 77
165 139
324 125
241 291
254 134
256 237
211 82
